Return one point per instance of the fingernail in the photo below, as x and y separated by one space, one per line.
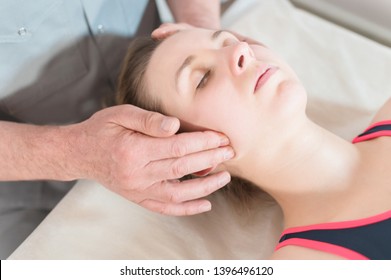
224 141
205 207
224 179
168 124
228 154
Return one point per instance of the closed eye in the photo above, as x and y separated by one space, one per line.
204 80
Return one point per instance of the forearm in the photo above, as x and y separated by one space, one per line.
200 13
29 152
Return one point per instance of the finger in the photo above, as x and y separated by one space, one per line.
185 143
167 29
168 169
146 122
181 209
162 33
188 190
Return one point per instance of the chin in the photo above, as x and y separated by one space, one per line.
292 96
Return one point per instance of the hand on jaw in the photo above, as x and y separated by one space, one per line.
137 154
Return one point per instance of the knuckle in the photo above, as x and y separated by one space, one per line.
210 140
216 158
149 120
179 169
204 141
178 148
162 209
188 212
220 155
211 159
168 196
122 160
174 197
205 188
153 206
209 185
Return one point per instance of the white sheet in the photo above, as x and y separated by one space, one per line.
347 77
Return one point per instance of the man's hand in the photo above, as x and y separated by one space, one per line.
200 13
167 29
136 154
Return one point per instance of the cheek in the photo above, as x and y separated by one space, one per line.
230 116
217 106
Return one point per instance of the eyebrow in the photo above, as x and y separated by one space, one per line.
216 34
190 58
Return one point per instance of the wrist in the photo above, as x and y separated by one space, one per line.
71 156
199 13
56 153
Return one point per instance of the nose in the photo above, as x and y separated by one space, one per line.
240 57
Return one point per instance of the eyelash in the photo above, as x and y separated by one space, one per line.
204 79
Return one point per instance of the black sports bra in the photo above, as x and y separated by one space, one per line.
367 238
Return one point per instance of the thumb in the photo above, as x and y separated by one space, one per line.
146 122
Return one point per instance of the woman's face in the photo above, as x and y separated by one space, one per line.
211 80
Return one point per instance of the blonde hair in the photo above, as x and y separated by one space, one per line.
132 90
131 83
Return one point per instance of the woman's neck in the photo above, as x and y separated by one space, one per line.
308 175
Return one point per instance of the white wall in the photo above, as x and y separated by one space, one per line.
370 18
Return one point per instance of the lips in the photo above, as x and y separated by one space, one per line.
265 74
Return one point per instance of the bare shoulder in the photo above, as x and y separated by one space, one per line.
384 113
292 252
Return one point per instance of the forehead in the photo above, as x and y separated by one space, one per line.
185 40
177 47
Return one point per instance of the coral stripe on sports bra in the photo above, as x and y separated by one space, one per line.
375 130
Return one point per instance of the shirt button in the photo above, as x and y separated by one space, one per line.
22 31
101 29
